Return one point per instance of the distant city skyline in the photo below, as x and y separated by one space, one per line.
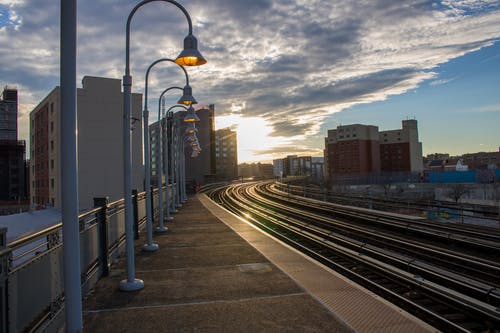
284 72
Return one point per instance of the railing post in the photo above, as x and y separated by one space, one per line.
136 213
102 218
4 274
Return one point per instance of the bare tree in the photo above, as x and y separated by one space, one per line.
457 191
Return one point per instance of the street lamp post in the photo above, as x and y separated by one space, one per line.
188 57
167 218
173 163
186 99
178 159
195 146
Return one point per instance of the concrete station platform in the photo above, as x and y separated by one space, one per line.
216 273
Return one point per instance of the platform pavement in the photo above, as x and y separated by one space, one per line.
205 278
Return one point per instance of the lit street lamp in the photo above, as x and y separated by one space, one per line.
174 161
186 99
167 218
179 157
190 56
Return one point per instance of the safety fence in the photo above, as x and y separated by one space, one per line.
31 268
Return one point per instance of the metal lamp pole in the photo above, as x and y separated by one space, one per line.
188 57
173 208
167 218
177 153
176 141
186 99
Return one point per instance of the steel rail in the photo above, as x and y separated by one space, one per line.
249 208
489 240
480 289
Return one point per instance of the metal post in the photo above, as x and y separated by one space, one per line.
178 168
167 218
149 246
174 166
159 174
136 213
69 169
131 283
183 188
102 218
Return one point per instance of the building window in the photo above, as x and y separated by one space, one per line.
52 183
51 127
51 164
51 145
52 108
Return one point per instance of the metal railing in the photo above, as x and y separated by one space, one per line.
31 267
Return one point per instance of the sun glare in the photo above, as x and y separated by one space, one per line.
253 137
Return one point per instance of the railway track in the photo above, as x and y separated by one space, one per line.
486 212
408 262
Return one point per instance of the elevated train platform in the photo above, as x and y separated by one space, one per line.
214 272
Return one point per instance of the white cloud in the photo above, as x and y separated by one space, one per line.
303 59
441 81
486 108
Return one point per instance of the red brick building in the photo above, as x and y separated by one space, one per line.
362 149
400 149
352 149
40 155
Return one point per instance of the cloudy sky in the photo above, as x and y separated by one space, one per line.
283 72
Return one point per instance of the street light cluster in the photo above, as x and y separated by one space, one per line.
190 56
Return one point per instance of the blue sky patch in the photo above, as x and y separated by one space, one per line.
5 17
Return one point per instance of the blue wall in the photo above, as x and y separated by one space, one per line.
470 176
452 177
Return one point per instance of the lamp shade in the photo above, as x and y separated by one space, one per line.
190 56
191 138
191 129
191 116
187 96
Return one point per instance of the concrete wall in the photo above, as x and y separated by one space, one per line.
100 140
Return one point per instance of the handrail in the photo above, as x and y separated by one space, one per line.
25 259
28 238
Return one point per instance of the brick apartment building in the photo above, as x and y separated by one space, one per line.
363 149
